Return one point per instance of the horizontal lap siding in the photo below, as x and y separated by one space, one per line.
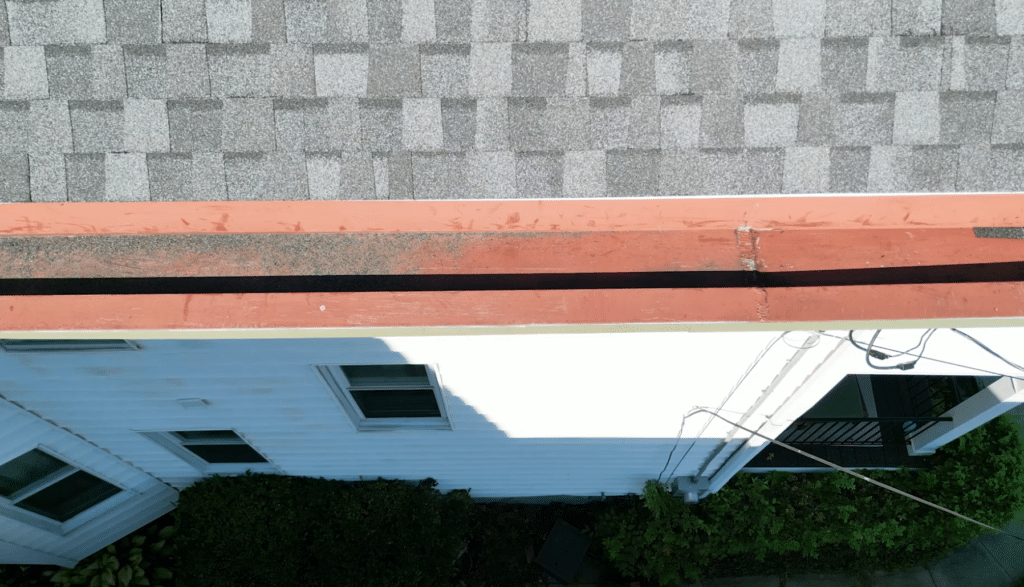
270 394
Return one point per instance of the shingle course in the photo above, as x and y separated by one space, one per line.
229 21
439 176
195 125
966 116
279 175
86 176
14 180
48 181
916 17
184 21
968 17
56 22
167 71
97 126
133 21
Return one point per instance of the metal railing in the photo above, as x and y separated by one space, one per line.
857 431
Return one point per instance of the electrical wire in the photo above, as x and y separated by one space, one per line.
857 475
743 378
951 363
990 351
870 352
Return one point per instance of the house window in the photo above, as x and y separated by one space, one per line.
388 397
44 484
212 451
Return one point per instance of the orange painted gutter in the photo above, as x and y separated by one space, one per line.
181 239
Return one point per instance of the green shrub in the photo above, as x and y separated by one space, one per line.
277 531
826 522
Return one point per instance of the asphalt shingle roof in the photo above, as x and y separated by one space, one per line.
398 99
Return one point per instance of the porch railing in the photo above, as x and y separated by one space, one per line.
857 431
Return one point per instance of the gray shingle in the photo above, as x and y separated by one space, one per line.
292 73
341 70
133 21
14 186
721 124
799 67
680 121
606 20
439 176
806 170
632 172
328 21
5 32
680 173
97 126
609 124
584 174
1015 68
239 70
527 124
381 181
849 169
576 70
653 19
644 122
394 71
844 65
858 18
491 175
930 168
1009 17
458 124
673 67
707 19
385 20
454 20
195 125
184 21
24 73
268 21
248 125
559 21
125 178
751 19
770 120
145 126
966 116
229 21
758 65
492 124
340 176
968 17
399 168
637 69
916 118
445 70
83 72
381 123
85 176
984 62
56 22
16 130
499 21
48 178
974 168
798 18
422 124
763 171
490 69
1009 118
863 119
916 17
904 64
167 71
539 69
539 174
186 176
567 121
49 127
1007 167
721 171
715 66
604 68
266 176
316 124
418 24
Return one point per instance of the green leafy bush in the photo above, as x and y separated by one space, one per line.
277 531
822 522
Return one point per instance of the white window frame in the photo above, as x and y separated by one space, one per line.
176 445
10 510
335 379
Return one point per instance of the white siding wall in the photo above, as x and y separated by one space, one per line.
554 414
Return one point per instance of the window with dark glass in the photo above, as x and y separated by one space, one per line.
43 484
218 446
